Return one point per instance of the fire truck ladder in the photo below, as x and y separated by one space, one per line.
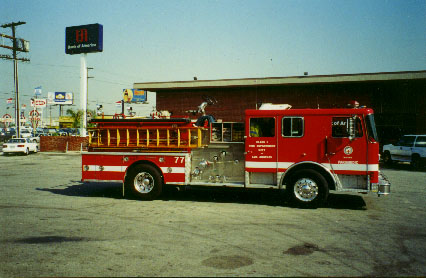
135 138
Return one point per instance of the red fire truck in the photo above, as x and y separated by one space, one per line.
306 152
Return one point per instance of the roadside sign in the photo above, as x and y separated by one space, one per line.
34 118
64 98
42 102
134 95
6 119
37 91
84 39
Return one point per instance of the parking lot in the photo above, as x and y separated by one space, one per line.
54 225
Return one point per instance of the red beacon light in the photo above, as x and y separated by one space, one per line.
353 104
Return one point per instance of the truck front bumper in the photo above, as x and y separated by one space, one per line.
383 187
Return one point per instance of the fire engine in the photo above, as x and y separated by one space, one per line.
303 152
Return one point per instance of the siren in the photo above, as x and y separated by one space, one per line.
353 104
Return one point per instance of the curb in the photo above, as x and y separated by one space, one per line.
61 153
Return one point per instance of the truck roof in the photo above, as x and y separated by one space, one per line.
308 111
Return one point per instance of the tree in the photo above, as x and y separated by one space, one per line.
76 117
93 113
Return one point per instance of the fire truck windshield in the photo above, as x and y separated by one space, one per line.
371 126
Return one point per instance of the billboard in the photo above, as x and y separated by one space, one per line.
134 95
84 39
60 98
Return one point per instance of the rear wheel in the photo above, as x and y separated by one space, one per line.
307 188
143 182
415 162
27 151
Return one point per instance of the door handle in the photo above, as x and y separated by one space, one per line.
326 147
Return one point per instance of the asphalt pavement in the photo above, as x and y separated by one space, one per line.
52 224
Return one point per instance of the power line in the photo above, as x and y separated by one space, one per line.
19 45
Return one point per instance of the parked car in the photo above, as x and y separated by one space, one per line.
410 148
7 135
20 145
51 131
39 134
25 133
75 131
63 132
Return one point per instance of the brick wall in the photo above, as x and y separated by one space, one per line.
59 143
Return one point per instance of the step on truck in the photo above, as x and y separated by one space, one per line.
304 152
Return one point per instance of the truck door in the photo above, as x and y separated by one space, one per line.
346 149
261 152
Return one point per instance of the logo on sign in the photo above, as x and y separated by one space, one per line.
81 35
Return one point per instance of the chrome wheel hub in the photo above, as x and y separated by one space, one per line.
306 189
143 182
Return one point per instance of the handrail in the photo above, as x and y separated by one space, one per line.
145 137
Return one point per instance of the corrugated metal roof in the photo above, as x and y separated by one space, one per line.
274 81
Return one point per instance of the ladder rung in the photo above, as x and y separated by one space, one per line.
147 137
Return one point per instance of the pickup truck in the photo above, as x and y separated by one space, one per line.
410 148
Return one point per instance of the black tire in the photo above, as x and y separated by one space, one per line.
387 159
415 162
307 188
143 182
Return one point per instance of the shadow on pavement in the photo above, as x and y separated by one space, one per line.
216 195
79 189
402 167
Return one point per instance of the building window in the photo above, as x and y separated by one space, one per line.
340 127
262 127
293 126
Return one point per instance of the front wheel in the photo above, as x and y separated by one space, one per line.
387 159
307 188
143 182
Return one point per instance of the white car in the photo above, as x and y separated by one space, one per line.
410 148
26 133
20 145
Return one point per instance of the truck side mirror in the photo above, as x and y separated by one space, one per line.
351 127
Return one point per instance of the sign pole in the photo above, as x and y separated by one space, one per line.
83 93
33 123
81 40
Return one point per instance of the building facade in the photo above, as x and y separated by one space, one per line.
398 98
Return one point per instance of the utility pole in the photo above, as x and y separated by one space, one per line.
17 45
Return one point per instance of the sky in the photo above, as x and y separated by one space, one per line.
172 40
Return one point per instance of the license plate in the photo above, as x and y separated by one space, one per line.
12 147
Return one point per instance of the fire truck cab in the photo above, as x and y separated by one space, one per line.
306 152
